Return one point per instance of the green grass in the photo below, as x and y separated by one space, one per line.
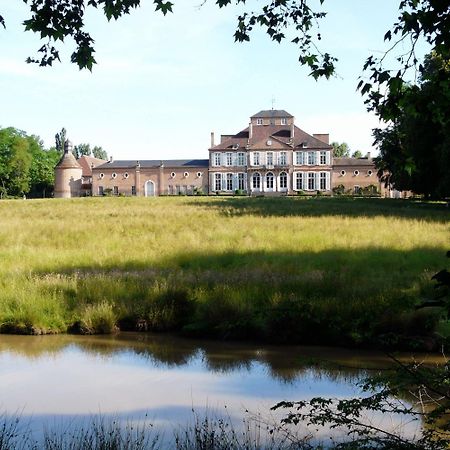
317 270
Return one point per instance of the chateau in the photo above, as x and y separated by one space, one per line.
271 156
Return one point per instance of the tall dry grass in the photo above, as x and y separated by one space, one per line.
281 268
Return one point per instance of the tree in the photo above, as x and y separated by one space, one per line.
60 140
414 148
340 150
357 154
82 150
99 153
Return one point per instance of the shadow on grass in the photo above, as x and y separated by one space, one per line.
327 206
337 297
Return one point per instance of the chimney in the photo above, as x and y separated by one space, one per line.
325 138
250 130
368 155
212 139
292 130
111 159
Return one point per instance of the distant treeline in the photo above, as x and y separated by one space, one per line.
27 167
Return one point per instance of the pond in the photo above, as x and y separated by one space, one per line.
52 381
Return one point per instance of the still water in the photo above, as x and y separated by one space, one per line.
49 379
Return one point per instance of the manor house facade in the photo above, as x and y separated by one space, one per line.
271 156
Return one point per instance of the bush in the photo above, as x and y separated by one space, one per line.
339 189
98 319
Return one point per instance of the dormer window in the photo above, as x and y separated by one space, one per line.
259 121
269 142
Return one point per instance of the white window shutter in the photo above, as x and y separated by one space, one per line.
317 181
317 158
328 179
328 158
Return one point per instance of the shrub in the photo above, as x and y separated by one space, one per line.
339 189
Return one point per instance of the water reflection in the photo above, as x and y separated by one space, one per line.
163 378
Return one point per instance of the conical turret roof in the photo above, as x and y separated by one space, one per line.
68 161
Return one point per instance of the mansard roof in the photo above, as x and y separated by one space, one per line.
154 163
262 133
271 113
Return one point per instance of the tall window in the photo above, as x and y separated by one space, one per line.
269 158
241 181
229 181
283 180
241 159
217 159
300 158
116 190
323 158
256 181
269 180
323 181
299 181
133 190
259 121
256 159
283 158
217 182
311 181
100 190
311 158
229 159
283 121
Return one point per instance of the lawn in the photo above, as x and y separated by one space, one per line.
320 270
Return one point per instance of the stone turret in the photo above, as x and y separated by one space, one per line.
68 175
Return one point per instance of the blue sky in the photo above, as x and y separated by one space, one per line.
162 84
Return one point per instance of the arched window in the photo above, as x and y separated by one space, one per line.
283 180
256 181
269 180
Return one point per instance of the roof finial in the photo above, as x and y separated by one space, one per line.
273 102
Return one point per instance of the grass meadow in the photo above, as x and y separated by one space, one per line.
342 271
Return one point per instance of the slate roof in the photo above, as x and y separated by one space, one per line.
270 113
353 162
262 133
153 163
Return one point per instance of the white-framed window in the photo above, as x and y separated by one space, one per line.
300 158
311 158
217 181
269 180
283 121
100 190
101 176
256 158
357 189
186 174
282 159
299 181
199 174
311 181
114 175
283 180
256 181
116 190
229 185
323 181
356 173
369 173
269 158
125 175
241 159
269 142
172 174
259 121
229 159
241 181
323 158
217 159
343 173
